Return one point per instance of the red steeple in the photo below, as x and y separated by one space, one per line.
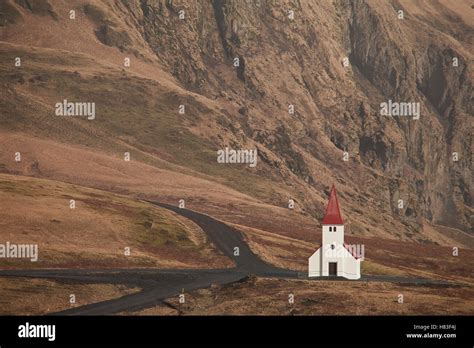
333 215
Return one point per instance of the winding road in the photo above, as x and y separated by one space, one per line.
159 284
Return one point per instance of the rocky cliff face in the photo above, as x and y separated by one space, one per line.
333 63
299 61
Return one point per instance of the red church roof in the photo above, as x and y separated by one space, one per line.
333 215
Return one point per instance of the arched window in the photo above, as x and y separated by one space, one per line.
334 228
330 228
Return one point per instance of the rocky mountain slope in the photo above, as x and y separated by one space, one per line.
240 69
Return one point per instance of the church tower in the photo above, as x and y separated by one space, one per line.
333 225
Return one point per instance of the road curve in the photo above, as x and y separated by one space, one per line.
226 239
159 284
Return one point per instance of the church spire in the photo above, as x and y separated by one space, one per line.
333 215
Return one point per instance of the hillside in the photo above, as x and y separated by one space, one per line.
282 62
102 230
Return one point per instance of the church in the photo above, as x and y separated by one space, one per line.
334 257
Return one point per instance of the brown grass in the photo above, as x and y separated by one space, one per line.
26 296
96 232
270 297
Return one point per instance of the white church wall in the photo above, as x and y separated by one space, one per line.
330 255
351 266
333 235
314 264
347 265
330 237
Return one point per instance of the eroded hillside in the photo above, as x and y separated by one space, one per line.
238 68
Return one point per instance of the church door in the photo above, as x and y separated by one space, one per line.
333 268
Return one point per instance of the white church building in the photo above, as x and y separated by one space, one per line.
334 257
